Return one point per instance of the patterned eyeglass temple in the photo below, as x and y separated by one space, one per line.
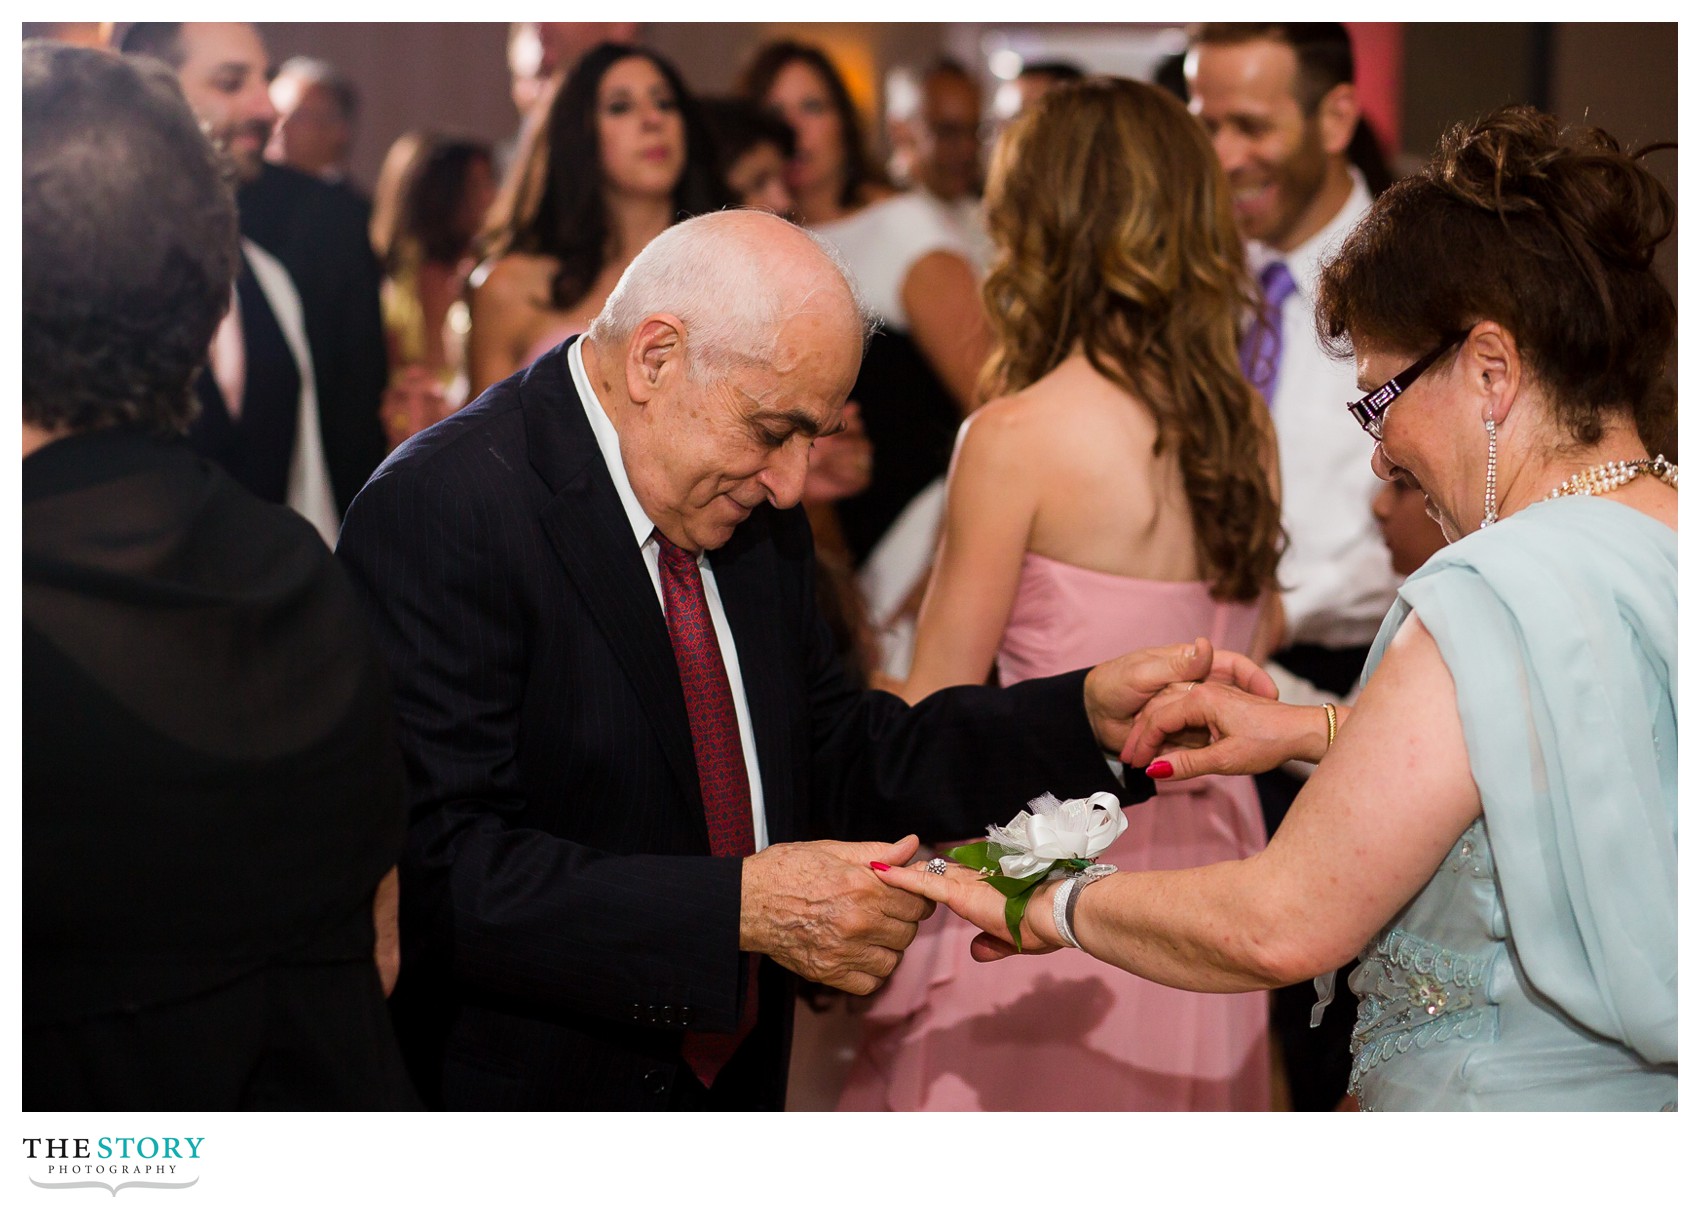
1369 410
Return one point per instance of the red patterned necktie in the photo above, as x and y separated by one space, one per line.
719 750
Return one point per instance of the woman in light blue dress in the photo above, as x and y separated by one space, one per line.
1493 831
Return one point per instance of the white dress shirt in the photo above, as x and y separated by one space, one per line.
643 533
309 487
882 242
969 214
1338 578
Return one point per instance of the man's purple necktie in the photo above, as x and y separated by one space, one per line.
1260 352
719 750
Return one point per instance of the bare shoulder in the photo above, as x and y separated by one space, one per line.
1076 409
872 192
1413 659
515 277
1050 424
936 272
1007 422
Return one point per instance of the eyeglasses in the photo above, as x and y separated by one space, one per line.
1370 410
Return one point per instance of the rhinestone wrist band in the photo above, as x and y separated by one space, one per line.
1062 905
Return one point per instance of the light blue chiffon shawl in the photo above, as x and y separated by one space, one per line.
1558 625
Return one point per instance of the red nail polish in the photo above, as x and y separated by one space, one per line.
1161 769
877 866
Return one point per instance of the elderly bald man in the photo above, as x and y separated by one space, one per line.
621 709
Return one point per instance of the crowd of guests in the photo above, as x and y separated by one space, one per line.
1091 416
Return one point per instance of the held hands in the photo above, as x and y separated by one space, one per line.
1210 728
1117 690
961 891
819 909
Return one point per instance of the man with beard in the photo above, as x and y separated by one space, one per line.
1281 108
290 403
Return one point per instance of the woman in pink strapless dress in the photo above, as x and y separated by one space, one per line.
1119 496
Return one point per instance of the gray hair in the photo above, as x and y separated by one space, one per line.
309 70
728 295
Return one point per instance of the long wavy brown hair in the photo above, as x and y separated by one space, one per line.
1114 236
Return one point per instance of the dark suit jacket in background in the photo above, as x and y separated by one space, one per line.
319 233
562 917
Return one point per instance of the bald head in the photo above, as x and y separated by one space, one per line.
727 347
734 279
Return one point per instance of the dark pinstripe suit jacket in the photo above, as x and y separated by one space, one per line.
562 918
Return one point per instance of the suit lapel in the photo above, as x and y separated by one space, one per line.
746 572
590 534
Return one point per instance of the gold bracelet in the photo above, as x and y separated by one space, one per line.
1333 723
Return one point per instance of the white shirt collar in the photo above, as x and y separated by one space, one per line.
608 442
1306 261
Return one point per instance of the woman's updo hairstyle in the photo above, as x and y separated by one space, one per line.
1545 228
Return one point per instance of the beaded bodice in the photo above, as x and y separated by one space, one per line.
1424 979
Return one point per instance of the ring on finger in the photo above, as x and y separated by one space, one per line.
936 866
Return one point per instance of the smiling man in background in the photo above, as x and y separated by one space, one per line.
1280 105
318 234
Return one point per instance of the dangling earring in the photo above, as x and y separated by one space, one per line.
1490 508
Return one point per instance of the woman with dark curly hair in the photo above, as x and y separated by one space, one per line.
1493 832
1118 493
619 157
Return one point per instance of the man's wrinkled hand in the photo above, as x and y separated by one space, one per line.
818 909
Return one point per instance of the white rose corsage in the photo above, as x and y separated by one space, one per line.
1050 837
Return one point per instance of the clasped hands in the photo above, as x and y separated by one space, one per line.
819 909
842 913
1198 711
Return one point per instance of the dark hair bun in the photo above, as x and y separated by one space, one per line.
1519 160
1545 228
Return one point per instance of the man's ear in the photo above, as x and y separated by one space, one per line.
1493 369
656 348
1338 114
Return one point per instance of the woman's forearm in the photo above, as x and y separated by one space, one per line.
1208 929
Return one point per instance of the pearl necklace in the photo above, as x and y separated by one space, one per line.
1612 475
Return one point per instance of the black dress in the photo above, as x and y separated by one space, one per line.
911 419
211 793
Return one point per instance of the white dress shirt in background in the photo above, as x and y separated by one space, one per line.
1337 579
